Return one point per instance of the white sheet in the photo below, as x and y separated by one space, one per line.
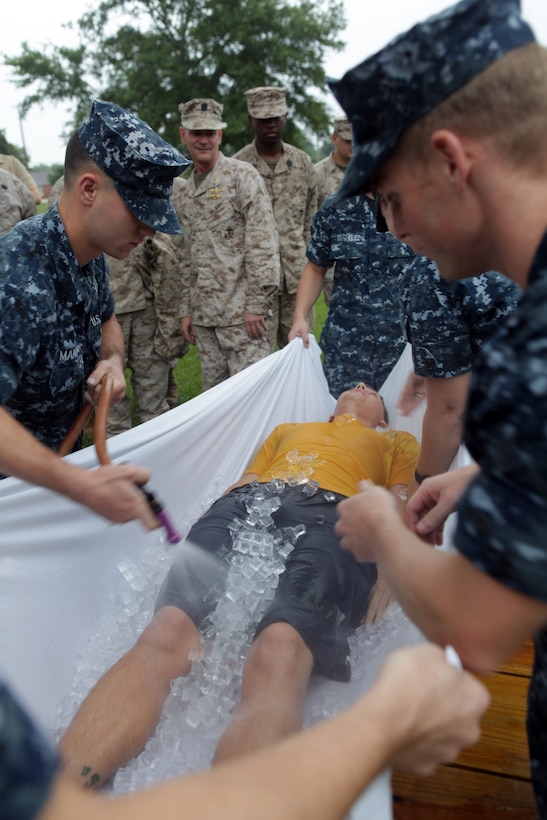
59 563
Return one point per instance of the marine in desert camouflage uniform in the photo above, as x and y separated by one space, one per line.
291 182
146 288
230 263
330 170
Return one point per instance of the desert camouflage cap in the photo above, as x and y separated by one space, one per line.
266 101
416 71
201 115
141 164
342 128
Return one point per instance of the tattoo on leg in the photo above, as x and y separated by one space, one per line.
93 779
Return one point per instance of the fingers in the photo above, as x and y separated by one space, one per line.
94 382
412 394
442 704
300 330
115 492
428 524
256 328
380 600
186 327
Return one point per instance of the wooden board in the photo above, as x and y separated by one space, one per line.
492 779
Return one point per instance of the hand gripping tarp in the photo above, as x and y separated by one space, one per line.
58 561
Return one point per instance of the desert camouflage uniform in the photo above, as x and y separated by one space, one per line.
230 265
292 187
448 322
16 202
51 315
56 191
362 338
146 288
329 177
14 166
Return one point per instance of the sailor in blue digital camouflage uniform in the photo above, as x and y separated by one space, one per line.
447 324
459 161
362 336
58 332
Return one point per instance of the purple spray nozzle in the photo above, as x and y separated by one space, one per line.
173 536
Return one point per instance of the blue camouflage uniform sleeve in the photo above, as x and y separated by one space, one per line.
502 521
103 280
20 334
320 244
28 764
448 322
434 322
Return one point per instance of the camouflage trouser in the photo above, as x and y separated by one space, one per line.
224 351
149 371
280 322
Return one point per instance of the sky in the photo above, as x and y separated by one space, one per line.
370 25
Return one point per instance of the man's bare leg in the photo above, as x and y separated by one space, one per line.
275 681
120 713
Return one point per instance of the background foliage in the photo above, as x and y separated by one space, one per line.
7 147
150 55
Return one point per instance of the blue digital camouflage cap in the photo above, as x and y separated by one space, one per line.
416 71
141 164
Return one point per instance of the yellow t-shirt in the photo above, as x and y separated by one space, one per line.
337 455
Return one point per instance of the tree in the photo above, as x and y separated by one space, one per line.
150 55
7 147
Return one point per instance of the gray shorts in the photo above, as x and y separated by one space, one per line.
323 592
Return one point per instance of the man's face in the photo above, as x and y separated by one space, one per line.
112 227
203 147
270 131
364 403
426 210
343 150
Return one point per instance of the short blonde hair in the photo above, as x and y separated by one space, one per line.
507 102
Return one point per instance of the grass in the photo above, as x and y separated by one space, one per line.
188 371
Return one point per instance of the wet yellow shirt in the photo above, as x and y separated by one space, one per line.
338 455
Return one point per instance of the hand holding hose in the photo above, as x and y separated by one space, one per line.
112 496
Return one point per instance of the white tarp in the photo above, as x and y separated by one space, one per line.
58 561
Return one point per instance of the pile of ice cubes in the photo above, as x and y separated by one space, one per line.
200 705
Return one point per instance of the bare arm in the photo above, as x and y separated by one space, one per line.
447 597
419 712
309 289
108 491
435 500
381 595
442 424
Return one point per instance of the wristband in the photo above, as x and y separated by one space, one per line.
419 477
